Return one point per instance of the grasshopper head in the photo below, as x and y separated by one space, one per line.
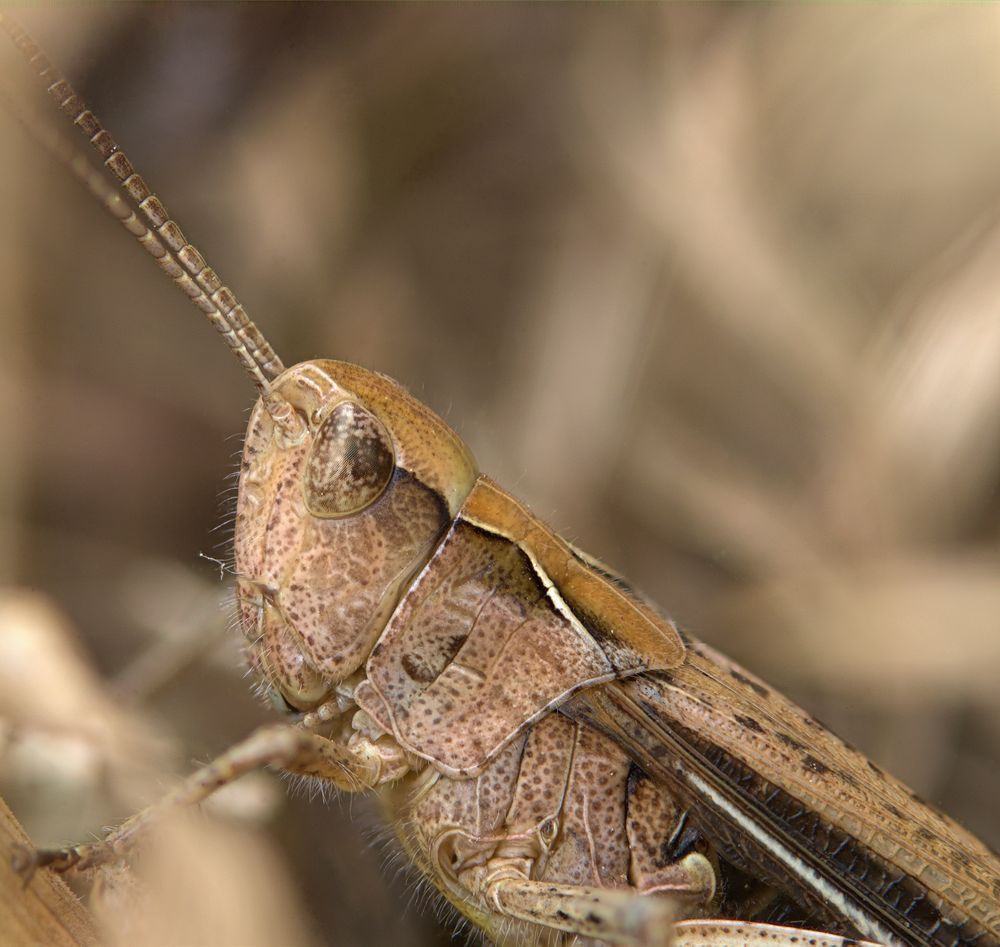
347 483
334 517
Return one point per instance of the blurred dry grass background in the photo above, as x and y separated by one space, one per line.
715 288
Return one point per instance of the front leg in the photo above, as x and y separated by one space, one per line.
359 766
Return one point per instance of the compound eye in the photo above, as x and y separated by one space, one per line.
350 464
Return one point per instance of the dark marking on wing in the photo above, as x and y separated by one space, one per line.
655 734
749 722
815 765
847 777
791 741
759 689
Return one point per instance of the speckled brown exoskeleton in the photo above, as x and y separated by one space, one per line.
559 760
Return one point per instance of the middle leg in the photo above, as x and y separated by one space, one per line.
557 835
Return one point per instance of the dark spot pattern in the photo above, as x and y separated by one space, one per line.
815 765
759 689
417 670
749 723
790 741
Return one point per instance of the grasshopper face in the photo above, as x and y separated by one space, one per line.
334 520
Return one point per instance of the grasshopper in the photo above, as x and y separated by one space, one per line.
560 760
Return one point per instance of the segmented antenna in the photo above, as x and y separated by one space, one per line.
165 242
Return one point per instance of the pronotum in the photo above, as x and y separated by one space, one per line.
339 353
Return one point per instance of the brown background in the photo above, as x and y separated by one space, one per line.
716 289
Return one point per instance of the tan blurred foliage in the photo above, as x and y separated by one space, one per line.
715 288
